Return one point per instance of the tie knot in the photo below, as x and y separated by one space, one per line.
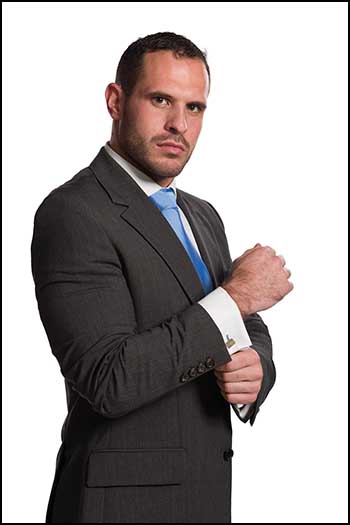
164 199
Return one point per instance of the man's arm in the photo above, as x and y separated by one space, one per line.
225 313
261 342
88 314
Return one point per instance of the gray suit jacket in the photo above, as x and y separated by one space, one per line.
147 437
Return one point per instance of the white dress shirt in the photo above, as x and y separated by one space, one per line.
218 303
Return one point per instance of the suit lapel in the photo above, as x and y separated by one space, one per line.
148 221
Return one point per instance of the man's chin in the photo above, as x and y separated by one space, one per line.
166 169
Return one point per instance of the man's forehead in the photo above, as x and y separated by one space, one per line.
162 74
160 60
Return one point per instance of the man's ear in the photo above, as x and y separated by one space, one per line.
114 99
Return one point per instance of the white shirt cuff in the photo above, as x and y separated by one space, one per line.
226 315
243 409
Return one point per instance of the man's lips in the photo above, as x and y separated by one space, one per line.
171 146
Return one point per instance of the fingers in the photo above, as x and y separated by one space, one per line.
290 287
239 398
288 272
283 261
269 250
243 387
243 358
244 392
249 373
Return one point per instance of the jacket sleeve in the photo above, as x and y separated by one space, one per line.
88 314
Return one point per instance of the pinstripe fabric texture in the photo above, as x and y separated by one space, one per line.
147 437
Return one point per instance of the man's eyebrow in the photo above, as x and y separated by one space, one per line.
170 97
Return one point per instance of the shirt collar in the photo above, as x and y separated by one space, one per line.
148 185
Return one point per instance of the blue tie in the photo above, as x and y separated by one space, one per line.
165 200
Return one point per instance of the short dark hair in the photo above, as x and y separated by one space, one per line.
131 61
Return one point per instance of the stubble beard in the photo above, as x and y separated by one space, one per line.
142 154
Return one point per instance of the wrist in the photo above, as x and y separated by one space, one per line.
239 298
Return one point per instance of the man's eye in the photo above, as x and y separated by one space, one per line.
159 98
195 106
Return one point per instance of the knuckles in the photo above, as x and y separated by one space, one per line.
255 357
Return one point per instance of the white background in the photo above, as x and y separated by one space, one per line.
272 159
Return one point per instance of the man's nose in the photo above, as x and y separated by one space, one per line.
177 121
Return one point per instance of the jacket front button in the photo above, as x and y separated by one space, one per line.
210 363
228 454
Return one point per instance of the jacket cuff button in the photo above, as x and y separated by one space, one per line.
201 368
185 377
192 372
210 363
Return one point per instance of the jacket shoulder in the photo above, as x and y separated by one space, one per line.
75 192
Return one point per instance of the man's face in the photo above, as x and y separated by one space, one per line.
166 105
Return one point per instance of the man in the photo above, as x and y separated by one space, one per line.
154 328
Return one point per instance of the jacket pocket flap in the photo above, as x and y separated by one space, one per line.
121 467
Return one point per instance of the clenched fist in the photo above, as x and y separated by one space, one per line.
240 379
258 280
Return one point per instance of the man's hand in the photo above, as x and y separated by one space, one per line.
240 379
258 280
